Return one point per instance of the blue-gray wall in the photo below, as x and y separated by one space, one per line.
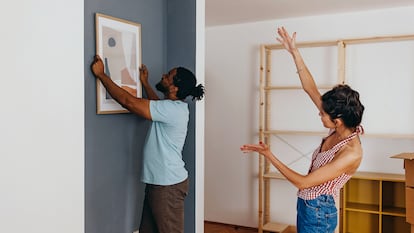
113 143
181 51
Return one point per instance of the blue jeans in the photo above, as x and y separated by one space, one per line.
317 216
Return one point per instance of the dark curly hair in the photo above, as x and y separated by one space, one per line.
186 83
343 102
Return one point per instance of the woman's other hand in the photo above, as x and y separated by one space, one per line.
261 148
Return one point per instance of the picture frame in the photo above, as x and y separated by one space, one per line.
118 43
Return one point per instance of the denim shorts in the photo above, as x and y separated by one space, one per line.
318 215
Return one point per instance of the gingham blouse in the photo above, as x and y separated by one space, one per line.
321 158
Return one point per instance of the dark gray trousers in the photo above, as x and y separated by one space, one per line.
163 210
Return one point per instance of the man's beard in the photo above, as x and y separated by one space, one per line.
161 88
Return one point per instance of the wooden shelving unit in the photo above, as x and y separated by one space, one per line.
380 214
374 202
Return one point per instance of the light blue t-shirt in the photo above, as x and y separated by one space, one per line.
162 162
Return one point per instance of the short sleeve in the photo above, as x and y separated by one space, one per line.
167 110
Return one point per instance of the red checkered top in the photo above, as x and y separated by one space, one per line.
321 158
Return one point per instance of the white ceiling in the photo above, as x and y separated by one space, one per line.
223 12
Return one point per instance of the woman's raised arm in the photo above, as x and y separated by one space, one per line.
306 79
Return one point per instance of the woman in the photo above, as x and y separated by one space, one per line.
334 161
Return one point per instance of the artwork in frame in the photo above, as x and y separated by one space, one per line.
118 43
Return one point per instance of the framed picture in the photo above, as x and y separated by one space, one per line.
118 43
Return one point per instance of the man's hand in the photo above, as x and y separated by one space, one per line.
143 77
143 74
97 66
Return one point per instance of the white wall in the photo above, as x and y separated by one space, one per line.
42 117
200 117
232 72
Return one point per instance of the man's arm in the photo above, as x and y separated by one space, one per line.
143 76
135 105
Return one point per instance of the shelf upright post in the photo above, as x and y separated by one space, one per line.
261 137
380 206
266 139
341 62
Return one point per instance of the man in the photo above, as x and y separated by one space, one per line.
163 171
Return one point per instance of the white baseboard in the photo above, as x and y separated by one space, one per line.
137 231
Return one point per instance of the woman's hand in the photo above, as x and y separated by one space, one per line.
288 42
260 148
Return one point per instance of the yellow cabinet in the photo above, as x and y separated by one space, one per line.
374 202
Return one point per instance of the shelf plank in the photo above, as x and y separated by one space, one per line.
275 227
361 207
269 88
303 44
388 135
314 133
393 211
379 176
294 132
274 175
377 39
